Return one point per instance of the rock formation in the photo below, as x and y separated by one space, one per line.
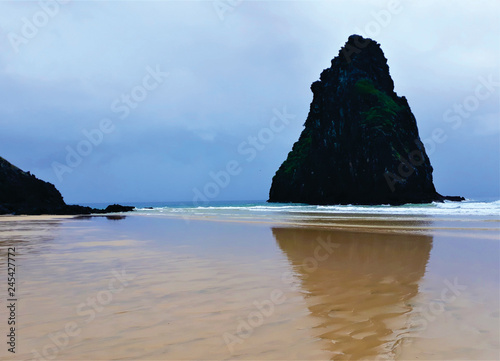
23 193
360 144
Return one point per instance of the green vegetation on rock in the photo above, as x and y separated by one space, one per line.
297 155
382 115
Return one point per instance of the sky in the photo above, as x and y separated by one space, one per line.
132 101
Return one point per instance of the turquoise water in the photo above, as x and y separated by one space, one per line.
454 209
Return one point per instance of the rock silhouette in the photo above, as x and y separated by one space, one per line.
23 193
360 144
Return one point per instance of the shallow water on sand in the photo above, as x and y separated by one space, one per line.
154 288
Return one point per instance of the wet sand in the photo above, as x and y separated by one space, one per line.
162 288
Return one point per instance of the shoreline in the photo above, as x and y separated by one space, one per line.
41 217
365 223
359 228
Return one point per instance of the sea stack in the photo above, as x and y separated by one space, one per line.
360 144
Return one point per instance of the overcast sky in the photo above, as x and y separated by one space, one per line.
169 92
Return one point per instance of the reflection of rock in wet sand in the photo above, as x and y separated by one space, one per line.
359 288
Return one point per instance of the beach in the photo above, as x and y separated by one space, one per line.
225 284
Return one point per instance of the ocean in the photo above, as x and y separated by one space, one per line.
468 208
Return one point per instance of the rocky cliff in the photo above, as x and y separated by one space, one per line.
23 193
360 144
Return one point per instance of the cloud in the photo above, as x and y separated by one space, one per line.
225 79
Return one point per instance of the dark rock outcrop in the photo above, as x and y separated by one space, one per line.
360 144
114 208
23 193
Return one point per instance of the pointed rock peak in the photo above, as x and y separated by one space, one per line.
360 144
358 50
359 58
